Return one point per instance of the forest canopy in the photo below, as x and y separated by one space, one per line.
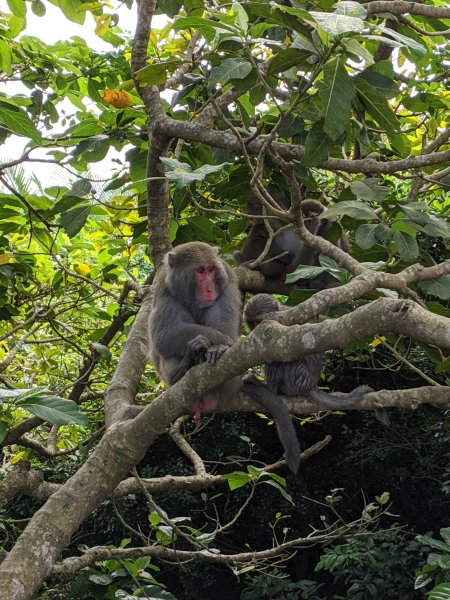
217 123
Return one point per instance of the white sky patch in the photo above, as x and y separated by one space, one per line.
51 28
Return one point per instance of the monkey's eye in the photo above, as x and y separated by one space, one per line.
211 269
200 270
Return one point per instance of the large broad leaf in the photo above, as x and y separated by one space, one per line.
406 246
437 287
286 59
93 149
440 592
370 189
351 208
317 146
350 9
72 9
182 175
207 28
237 479
336 92
17 7
403 40
376 104
51 408
16 120
365 236
156 73
304 272
229 69
73 220
336 24
381 82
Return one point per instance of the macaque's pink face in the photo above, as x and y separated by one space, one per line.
205 276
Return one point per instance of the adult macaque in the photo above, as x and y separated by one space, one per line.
298 377
287 249
195 317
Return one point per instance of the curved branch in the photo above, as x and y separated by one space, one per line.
164 125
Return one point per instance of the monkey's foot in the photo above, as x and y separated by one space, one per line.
215 352
206 403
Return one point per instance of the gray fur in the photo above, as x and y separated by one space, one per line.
298 377
184 331
287 249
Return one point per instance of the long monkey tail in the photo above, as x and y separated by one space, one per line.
282 418
334 401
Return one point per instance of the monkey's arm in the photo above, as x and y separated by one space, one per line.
172 328
282 418
198 350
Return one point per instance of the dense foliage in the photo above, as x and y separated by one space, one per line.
158 142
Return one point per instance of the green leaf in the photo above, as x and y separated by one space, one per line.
406 246
350 9
422 580
101 578
103 351
351 208
336 24
403 40
93 149
241 15
381 82
155 73
237 479
54 409
376 104
229 69
5 57
282 491
65 204
16 120
437 287
71 10
286 59
370 189
445 535
207 28
18 8
337 93
365 236
73 220
170 7
304 272
440 592
317 146
182 175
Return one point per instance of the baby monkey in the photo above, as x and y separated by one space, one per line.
293 378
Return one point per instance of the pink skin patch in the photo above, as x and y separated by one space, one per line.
205 278
204 404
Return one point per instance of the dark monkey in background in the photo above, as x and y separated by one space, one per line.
195 316
293 378
287 249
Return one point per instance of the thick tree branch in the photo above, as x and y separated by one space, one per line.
124 444
401 7
164 125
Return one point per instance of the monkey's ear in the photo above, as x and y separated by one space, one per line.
171 259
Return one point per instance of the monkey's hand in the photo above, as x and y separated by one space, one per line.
198 348
213 353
